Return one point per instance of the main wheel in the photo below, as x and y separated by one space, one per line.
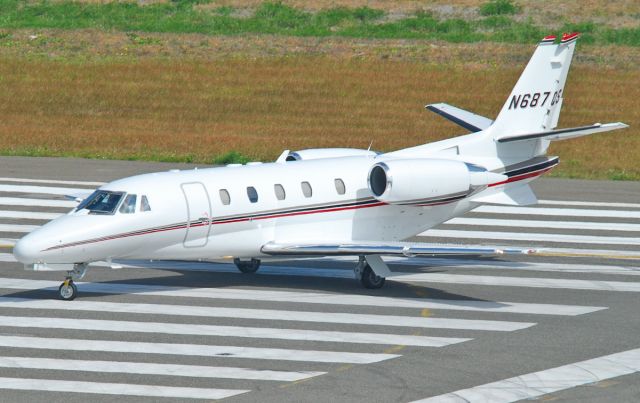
68 290
370 280
247 267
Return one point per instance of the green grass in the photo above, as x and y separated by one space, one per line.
181 16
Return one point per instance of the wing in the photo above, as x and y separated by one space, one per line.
379 248
468 120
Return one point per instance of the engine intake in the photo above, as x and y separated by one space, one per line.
427 182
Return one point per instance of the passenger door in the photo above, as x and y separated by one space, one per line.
198 215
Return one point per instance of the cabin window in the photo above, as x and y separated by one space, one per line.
280 193
101 202
252 194
144 204
306 189
339 186
224 197
128 205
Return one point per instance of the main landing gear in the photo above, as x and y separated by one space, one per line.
247 266
68 290
367 275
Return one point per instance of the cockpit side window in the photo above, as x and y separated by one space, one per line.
144 204
129 204
101 202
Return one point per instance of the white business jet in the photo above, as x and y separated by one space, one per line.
323 202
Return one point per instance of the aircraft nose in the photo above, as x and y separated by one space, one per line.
26 251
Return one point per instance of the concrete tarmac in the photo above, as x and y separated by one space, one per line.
304 330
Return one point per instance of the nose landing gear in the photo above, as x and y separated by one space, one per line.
68 290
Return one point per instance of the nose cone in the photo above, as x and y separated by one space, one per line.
26 250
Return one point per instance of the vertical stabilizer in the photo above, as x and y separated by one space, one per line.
535 102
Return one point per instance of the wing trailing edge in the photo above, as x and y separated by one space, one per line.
468 120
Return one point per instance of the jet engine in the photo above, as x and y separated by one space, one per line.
318 153
424 182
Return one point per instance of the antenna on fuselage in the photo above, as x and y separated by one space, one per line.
370 145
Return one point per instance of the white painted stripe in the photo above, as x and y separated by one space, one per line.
569 225
51 190
125 367
228 331
566 212
54 181
56 385
527 266
588 204
532 237
32 215
310 297
266 314
20 201
200 350
552 380
530 282
4 243
17 228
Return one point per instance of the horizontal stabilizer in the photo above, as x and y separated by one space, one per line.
470 121
518 196
379 248
564 134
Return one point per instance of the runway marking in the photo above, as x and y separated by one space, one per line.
53 181
101 388
563 212
267 314
310 297
194 371
227 331
588 204
19 201
200 350
552 380
568 225
50 190
33 215
7 243
528 266
17 228
530 282
532 237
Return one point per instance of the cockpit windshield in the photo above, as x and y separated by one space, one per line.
101 202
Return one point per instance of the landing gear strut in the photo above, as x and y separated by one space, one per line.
68 290
367 276
247 267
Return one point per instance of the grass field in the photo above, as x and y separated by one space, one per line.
194 110
218 98
499 20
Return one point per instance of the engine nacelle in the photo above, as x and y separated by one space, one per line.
319 153
427 182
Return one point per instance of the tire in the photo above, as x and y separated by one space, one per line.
68 292
247 267
370 280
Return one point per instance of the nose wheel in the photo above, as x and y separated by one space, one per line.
68 290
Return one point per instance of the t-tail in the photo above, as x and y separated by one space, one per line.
520 136
532 111
528 119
